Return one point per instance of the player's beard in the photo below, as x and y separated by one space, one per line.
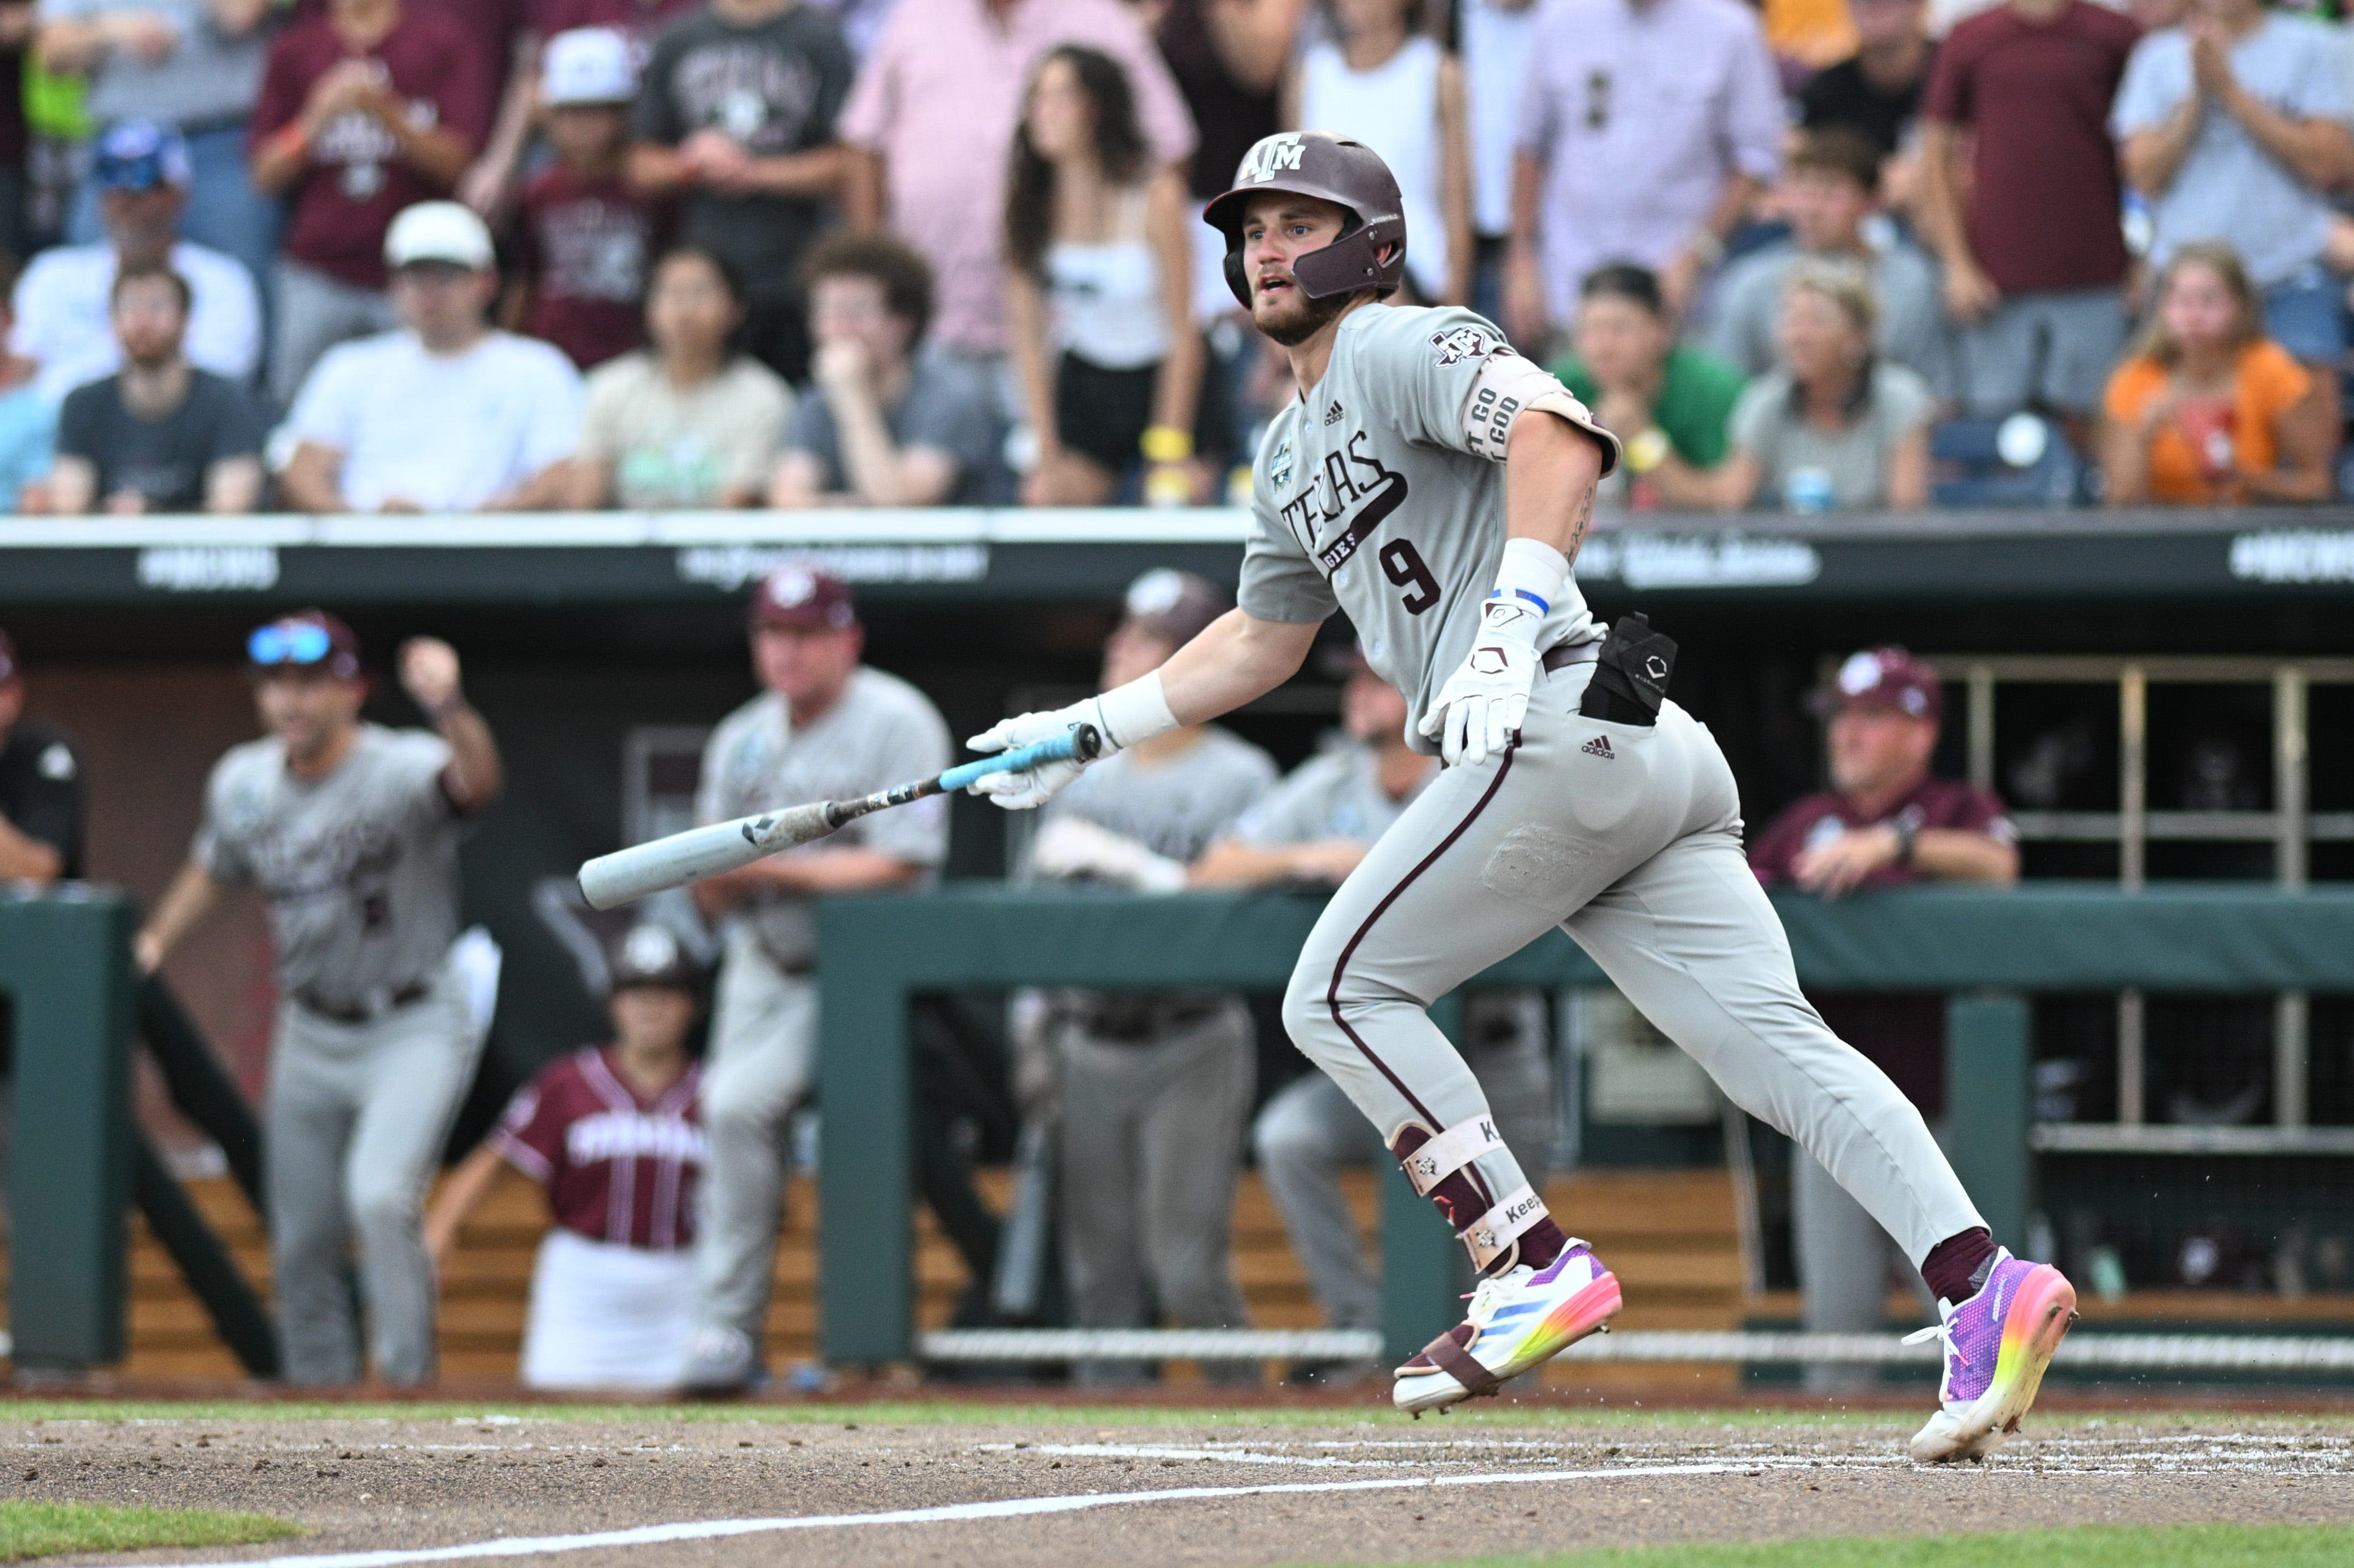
1290 325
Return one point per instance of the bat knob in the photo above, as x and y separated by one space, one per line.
1087 742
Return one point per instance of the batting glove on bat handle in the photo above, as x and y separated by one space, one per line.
1061 744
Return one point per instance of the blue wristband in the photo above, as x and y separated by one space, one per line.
1542 607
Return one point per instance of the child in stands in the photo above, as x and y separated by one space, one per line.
583 239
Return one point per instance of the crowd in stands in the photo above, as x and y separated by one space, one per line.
909 252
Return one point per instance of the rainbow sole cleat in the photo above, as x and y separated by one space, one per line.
1521 1318
1998 1345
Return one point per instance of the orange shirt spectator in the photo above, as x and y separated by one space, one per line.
2209 411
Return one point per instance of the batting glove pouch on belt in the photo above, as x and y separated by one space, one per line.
1478 712
1121 717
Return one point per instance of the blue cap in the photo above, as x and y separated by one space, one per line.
139 155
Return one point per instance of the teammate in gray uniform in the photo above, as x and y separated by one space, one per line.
1154 1089
1315 827
826 728
350 831
1435 484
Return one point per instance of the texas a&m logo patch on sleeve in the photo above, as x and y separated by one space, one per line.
1464 342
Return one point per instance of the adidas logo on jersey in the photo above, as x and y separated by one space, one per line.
1333 416
1599 747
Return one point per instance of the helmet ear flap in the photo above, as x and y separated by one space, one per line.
1237 279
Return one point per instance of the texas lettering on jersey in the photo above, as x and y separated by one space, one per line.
1353 477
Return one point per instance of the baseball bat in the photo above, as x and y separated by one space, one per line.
681 858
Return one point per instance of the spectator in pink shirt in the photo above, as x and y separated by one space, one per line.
933 115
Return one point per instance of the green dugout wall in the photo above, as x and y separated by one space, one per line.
1986 947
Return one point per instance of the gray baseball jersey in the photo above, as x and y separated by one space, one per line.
881 732
1335 795
1175 807
360 867
1380 492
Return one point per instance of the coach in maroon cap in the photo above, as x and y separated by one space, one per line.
1884 822
824 726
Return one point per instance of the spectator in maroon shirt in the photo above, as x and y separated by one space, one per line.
584 236
2035 259
364 112
1885 822
613 1135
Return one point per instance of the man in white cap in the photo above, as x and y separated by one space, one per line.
447 414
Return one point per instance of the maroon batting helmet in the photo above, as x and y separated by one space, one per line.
1332 168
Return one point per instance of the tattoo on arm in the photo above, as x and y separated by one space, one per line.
1577 529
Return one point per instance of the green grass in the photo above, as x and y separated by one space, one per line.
44 1529
2097 1546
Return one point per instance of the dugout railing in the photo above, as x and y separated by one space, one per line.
1988 950
75 1152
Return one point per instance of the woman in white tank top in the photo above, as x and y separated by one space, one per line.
1397 91
1099 292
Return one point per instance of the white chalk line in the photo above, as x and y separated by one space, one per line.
948 1513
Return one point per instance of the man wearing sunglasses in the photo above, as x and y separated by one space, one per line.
350 831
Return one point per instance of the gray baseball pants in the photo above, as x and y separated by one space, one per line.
1308 1130
1628 837
1152 1145
357 1116
763 1044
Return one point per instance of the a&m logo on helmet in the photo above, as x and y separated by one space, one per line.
1270 156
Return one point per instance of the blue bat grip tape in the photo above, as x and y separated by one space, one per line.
1062 749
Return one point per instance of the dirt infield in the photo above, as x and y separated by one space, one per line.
1029 1486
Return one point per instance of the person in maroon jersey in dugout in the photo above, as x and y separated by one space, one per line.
613 1135
1885 822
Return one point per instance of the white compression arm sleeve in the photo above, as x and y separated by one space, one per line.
1138 711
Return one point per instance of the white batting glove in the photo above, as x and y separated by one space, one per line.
1478 712
1121 717
1032 787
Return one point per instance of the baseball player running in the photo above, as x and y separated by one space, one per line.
1436 485
350 831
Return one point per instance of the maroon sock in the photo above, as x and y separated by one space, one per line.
1542 1243
1952 1268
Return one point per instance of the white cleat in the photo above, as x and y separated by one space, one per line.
1521 1318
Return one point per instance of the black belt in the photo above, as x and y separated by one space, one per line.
1144 1022
1568 653
407 996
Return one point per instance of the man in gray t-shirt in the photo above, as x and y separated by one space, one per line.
2245 146
883 423
1154 1089
350 831
1314 828
824 728
1830 188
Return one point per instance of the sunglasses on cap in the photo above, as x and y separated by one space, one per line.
290 643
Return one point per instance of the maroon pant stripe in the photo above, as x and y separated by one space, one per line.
1340 965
